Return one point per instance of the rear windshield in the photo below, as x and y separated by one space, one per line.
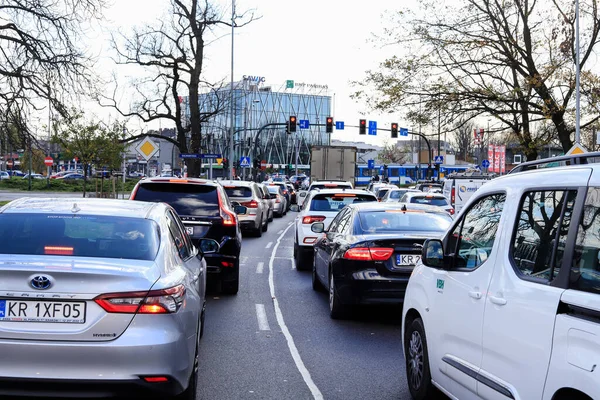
189 200
430 188
337 201
382 193
80 236
273 189
396 194
433 201
398 221
330 186
238 191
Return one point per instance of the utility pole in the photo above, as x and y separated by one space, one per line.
231 99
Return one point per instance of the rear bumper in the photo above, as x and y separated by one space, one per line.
366 286
100 369
249 224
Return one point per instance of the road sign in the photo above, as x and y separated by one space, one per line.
403 131
303 123
339 125
147 148
219 161
381 169
210 156
373 128
189 155
245 162
371 164
263 164
485 164
438 159
576 149
48 161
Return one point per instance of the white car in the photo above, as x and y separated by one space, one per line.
507 304
432 199
319 185
4 175
320 206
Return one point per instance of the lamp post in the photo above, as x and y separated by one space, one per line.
232 93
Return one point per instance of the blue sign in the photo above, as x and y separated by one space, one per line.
303 123
189 155
403 131
373 128
438 159
210 155
485 163
339 125
244 162
381 169
371 164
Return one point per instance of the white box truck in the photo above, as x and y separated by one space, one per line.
336 163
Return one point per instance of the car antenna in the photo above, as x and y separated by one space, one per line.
404 207
75 208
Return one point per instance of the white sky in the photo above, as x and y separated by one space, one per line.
315 41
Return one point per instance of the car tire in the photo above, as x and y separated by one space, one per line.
316 284
271 216
258 231
337 310
232 286
202 318
301 259
417 362
190 393
265 227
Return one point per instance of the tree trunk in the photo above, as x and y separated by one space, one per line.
564 135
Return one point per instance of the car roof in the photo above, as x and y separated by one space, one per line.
236 183
425 194
81 206
174 180
379 206
339 190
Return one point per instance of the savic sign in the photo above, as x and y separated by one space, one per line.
256 79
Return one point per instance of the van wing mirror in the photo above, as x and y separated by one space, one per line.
433 253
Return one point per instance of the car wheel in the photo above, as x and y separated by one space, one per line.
300 259
202 320
337 310
265 227
190 392
271 215
417 362
316 284
258 232
231 286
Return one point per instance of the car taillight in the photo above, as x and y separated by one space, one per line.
451 211
368 254
164 301
453 197
251 204
309 219
229 218
285 192
277 200
134 192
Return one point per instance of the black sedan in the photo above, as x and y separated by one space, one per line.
368 253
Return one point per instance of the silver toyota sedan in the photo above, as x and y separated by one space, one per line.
99 298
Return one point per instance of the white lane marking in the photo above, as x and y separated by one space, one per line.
317 395
259 267
243 260
268 246
261 315
293 263
280 232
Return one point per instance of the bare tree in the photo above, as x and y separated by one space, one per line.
463 139
172 52
392 154
512 60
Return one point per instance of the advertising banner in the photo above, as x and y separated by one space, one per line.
503 159
497 159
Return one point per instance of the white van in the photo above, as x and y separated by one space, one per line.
458 188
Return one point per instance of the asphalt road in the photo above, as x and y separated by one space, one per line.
275 339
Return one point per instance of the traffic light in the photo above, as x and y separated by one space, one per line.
292 124
362 127
256 163
225 163
394 130
329 125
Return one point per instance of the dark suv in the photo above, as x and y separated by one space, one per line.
206 212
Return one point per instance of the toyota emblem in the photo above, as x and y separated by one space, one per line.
41 282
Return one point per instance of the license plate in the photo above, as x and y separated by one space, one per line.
190 230
407 259
65 312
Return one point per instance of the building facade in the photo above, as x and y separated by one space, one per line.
255 105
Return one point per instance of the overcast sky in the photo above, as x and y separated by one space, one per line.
316 41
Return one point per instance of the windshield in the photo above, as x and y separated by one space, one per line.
396 194
433 201
337 201
238 191
190 199
80 236
399 221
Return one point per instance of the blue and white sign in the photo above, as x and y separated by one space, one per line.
371 164
339 125
189 155
303 123
244 161
210 156
485 163
438 159
381 170
403 131
373 128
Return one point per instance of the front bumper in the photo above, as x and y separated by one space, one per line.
367 286
101 369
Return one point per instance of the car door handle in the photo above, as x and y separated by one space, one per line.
498 300
475 295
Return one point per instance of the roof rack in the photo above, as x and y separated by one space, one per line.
560 161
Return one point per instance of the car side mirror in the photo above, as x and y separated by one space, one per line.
240 209
433 253
302 194
294 208
208 246
318 227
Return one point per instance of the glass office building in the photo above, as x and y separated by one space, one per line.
256 105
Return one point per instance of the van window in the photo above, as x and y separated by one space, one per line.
585 273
